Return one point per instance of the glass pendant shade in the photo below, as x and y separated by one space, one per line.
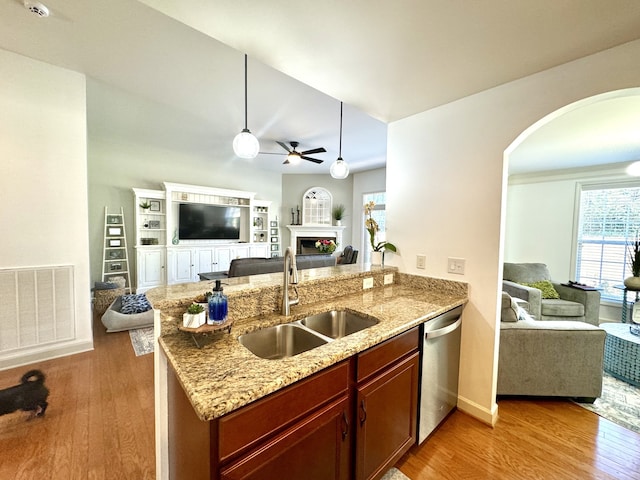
633 169
339 169
246 145
294 158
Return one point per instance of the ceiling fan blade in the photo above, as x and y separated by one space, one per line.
312 151
283 146
314 160
286 162
272 153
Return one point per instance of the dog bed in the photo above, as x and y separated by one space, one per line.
116 318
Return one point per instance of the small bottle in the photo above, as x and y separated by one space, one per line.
217 306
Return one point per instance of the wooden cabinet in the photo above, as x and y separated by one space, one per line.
352 420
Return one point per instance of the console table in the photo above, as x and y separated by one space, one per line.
622 353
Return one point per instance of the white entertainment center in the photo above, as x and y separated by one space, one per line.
162 257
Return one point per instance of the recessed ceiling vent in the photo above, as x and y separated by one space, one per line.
37 8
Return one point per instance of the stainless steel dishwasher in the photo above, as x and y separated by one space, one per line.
440 351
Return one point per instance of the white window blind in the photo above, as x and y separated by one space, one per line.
609 218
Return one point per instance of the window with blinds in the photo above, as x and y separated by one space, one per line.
609 217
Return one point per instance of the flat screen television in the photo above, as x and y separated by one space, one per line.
208 222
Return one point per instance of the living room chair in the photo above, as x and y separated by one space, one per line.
572 303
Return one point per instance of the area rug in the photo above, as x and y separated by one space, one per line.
619 403
142 340
395 474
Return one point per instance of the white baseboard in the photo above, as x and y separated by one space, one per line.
42 354
490 417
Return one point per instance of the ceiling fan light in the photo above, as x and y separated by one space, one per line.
339 169
246 145
633 169
294 158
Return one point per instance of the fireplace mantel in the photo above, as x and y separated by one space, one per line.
319 231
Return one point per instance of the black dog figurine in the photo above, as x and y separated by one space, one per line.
30 395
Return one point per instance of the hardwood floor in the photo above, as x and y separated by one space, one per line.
100 419
100 425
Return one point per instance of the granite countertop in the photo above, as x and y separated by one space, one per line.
223 375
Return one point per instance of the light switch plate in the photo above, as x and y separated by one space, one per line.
455 265
421 261
367 283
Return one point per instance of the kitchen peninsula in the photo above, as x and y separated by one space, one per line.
235 415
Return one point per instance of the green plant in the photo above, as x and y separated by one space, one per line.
338 211
634 255
195 309
145 205
372 227
326 246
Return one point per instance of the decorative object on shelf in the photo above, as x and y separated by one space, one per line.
245 144
175 240
154 206
633 282
148 241
154 224
377 258
372 227
194 316
339 169
326 246
257 222
145 205
113 219
338 213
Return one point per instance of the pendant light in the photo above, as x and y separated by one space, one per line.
339 169
246 145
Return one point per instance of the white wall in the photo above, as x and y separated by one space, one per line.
43 187
541 221
445 177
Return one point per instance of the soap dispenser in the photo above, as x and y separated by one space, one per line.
217 306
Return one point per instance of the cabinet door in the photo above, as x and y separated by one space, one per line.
241 251
259 250
223 256
316 448
151 271
205 262
385 414
182 266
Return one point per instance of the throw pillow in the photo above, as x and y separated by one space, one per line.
546 287
136 303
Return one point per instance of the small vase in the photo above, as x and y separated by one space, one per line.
338 223
632 283
377 258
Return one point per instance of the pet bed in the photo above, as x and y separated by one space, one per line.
115 319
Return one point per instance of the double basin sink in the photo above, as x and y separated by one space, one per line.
290 339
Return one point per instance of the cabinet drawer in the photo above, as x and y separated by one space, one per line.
243 429
377 358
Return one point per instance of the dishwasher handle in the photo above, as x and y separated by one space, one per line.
444 330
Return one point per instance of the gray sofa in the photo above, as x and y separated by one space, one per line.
548 358
573 304
241 267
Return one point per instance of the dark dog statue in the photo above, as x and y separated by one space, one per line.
30 395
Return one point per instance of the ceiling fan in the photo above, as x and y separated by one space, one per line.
293 156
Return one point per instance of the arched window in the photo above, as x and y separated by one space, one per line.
316 206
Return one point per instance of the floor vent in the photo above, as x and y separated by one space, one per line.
36 307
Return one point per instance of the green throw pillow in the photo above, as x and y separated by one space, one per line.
546 287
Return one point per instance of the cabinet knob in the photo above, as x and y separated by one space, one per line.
345 425
363 412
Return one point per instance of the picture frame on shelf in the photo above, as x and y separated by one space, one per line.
274 239
113 219
274 248
273 223
275 254
155 206
115 243
115 231
115 254
115 267
154 224
274 231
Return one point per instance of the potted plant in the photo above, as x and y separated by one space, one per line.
145 205
338 213
633 282
377 248
194 316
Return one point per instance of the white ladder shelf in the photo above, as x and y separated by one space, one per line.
115 261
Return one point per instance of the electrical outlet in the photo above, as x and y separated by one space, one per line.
367 283
421 261
455 265
388 279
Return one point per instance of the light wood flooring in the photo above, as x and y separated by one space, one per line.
100 425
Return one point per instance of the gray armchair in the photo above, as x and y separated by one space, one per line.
573 304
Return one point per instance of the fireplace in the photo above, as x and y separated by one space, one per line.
310 234
307 245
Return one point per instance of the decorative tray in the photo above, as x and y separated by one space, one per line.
207 328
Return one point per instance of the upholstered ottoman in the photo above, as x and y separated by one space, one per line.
115 319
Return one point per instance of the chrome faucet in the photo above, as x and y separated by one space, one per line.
290 276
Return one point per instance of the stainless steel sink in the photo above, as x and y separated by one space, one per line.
280 341
337 323
291 339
